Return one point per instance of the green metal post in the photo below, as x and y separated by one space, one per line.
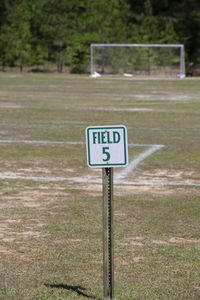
108 249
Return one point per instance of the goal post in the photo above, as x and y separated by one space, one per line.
132 60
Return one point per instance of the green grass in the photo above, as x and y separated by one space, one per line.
51 232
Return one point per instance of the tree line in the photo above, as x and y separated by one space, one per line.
48 32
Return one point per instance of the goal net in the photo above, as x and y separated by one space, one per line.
131 60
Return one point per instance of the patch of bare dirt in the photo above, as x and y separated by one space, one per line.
131 242
8 240
83 240
140 189
13 221
137 259
10 105
130 109
159 179
172 175
3 228
175 240
140 241
93 185
5 250
123 109
13 228
183 240
159 242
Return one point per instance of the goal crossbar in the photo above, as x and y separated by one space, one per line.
137 45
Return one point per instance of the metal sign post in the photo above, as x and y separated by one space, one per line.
107 147
108 248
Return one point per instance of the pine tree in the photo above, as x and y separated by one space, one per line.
60 24
15 34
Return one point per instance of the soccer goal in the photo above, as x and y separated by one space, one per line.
132 60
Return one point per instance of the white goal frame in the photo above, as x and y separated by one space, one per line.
181 73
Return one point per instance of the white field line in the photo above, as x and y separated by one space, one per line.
43 142
121 175
34 178
40 142
136 161
170 183
119 178
99 181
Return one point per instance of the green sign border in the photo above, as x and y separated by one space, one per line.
107 164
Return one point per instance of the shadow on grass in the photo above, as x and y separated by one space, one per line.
78 289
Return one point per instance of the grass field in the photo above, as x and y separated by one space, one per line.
51 202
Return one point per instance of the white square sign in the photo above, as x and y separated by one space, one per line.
107 146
